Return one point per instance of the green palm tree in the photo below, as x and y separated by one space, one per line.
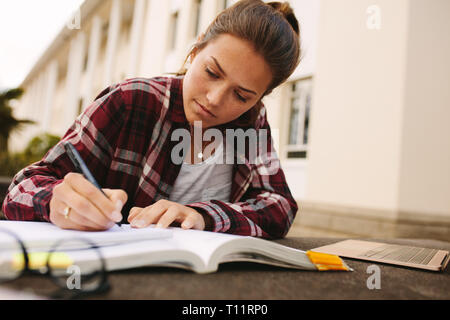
8 123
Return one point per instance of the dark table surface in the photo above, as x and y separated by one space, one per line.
249 281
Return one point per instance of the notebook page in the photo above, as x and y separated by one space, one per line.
185 246
43 235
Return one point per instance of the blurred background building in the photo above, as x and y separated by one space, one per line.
362 127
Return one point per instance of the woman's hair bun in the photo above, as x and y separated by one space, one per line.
286 10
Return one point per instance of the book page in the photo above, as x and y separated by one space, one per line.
215 248
202 243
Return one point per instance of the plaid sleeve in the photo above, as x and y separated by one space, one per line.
267 208
31 190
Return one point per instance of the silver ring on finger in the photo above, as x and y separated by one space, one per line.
66 212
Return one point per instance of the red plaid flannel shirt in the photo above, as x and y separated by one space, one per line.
124 136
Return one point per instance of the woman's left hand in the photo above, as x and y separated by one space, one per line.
163 213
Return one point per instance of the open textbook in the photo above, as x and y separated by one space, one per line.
198 251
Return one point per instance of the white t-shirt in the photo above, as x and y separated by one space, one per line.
203 181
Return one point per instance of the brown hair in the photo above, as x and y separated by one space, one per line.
271 27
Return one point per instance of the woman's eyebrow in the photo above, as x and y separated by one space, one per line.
223 72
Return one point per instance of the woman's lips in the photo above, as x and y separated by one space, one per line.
205 110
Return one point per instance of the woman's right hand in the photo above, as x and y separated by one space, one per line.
89 209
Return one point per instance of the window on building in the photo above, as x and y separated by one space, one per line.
173 31
227 3
80 106
85 61
299 116
197 16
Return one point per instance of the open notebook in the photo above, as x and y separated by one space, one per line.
414 257
126 248
43 236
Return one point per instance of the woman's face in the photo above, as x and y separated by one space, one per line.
227 78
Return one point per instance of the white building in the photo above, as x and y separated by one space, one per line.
361 127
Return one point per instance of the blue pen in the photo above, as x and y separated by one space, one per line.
81 167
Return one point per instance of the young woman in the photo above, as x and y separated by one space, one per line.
126 138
